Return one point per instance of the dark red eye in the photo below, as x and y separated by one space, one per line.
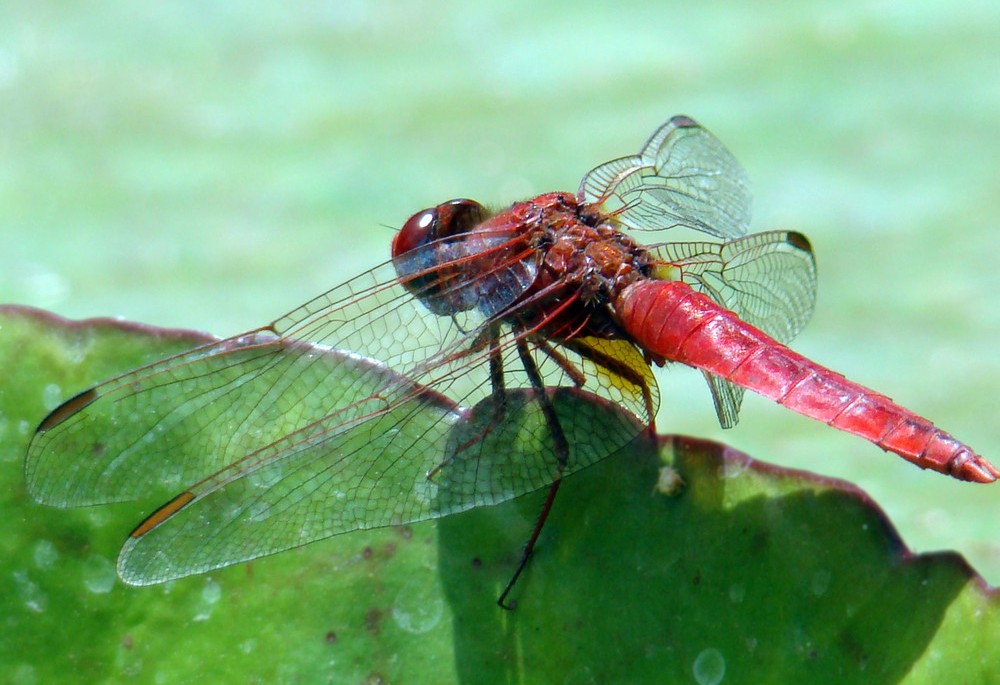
444 221
417 231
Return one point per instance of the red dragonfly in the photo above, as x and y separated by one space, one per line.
494 354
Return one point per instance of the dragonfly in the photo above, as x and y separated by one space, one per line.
494 354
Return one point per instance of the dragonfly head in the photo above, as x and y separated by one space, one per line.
448 219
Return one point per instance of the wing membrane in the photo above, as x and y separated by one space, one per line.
768 279
313 486
181 419
683 177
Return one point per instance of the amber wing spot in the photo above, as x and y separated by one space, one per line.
163 513
66 410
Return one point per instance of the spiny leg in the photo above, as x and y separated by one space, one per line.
491 337
615 366
568 367
561 447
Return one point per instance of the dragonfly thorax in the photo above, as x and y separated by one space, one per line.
581 260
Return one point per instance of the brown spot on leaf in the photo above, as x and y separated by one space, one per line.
373 621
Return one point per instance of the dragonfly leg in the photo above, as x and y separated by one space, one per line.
529 547
499 399
569 368
615 366
561 447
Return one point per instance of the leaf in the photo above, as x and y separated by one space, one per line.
746 573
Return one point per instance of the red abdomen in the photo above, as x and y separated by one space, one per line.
670 320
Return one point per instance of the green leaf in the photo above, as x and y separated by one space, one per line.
746 573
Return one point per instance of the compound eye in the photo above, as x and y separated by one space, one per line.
456 217
447 220
419 229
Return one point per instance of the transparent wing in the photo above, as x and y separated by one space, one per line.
324 482
330 419
683 177
768 279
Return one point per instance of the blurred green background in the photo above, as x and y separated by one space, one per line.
211 165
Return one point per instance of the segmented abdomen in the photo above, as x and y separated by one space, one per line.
671 320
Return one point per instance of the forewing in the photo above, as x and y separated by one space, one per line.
172 423
683 177
768 279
